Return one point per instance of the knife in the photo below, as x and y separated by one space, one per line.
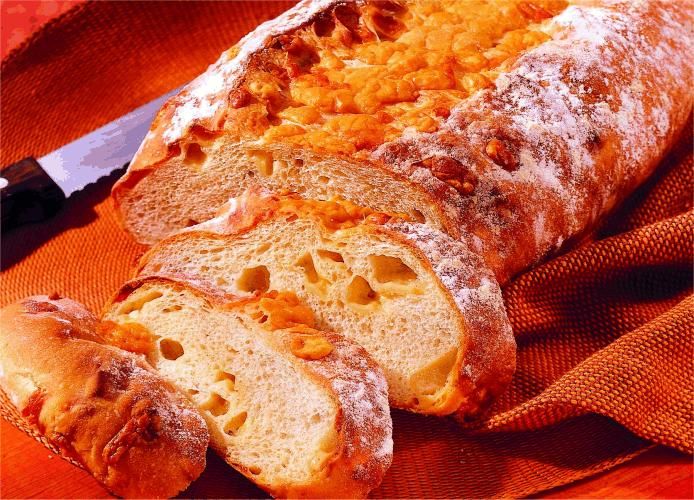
33 190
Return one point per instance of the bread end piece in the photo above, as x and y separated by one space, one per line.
104 407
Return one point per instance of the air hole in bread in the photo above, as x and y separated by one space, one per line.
170 349
292 218
360 292
262 248
221 281
321 179
234 424
298 162
306 263
193 392
254 279
431 378
190 222
155 268
387 269
263 162
194 156
255 470
216 405
334 256
135 304
172 309
418 216
229 379
327 451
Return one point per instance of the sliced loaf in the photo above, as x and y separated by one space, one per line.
422 304
300 412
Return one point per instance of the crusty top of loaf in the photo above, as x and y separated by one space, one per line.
575 125
568 128
338 50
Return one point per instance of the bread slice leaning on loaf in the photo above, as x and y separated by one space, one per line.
514 125
100 405
300 412
419 302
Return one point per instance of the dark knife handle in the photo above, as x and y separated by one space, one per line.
27 194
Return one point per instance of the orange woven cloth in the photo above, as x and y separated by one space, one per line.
605 332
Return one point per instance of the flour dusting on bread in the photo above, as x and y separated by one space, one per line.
569 109
203 98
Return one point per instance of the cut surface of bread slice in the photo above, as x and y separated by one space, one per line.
418 301
298 411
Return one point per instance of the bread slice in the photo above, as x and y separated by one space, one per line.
101 406
300 412
419 302
514 125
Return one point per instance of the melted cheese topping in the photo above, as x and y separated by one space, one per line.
130 336
334 214
280 310
283 310
245 212
360 76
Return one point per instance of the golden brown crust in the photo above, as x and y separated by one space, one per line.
486 356
437 53
518 169
567 133
364 449
104 407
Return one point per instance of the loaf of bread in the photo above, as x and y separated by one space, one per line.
419 302
100 405
300 412
514 125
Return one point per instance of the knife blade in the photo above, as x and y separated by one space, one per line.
32 190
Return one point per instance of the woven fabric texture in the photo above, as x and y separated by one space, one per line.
604 331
